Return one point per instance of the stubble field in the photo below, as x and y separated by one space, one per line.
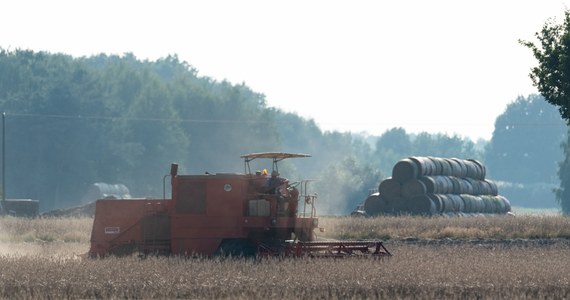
433 258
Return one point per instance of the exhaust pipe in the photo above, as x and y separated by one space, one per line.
173 173
173 169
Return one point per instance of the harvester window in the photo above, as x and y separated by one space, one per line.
191 197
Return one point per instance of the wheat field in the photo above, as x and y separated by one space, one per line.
43 259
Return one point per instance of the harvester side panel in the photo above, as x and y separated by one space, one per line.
195 246
209 209
226 196
189 196
212 195
185 226
119 222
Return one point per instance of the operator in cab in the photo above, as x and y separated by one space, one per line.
274 182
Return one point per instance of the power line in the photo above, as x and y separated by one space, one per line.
78 117
226 121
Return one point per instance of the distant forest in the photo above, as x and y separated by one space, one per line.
74 121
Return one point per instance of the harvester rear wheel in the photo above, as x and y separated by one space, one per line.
124 249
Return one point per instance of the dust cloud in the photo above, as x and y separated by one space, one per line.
47 250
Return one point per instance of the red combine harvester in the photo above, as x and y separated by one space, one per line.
221 214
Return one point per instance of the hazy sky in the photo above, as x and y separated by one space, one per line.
435 66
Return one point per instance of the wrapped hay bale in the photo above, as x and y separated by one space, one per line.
452 185
413 187
374 204
421 205
390 188
404 170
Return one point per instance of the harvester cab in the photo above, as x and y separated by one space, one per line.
224 213
281 195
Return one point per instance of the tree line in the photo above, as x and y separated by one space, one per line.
551 77
73 121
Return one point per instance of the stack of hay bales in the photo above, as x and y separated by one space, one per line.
434 185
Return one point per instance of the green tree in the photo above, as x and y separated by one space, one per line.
442 145
396 144
563 192
517 152
42 100
344 184
552 78
116 119
391 146
552 75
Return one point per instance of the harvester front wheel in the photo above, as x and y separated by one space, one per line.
236 248
306 236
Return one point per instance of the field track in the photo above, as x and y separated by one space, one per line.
42 259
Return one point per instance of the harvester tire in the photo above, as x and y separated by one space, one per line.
124 249
236 248
305 236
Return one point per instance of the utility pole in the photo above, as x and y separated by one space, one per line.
3 156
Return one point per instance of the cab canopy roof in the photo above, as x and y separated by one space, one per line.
273 155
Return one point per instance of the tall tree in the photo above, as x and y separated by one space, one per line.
345 184
391 146
116 119
517 152
552 75
552 78
396 144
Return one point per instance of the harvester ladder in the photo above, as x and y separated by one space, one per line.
150 229
308 201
